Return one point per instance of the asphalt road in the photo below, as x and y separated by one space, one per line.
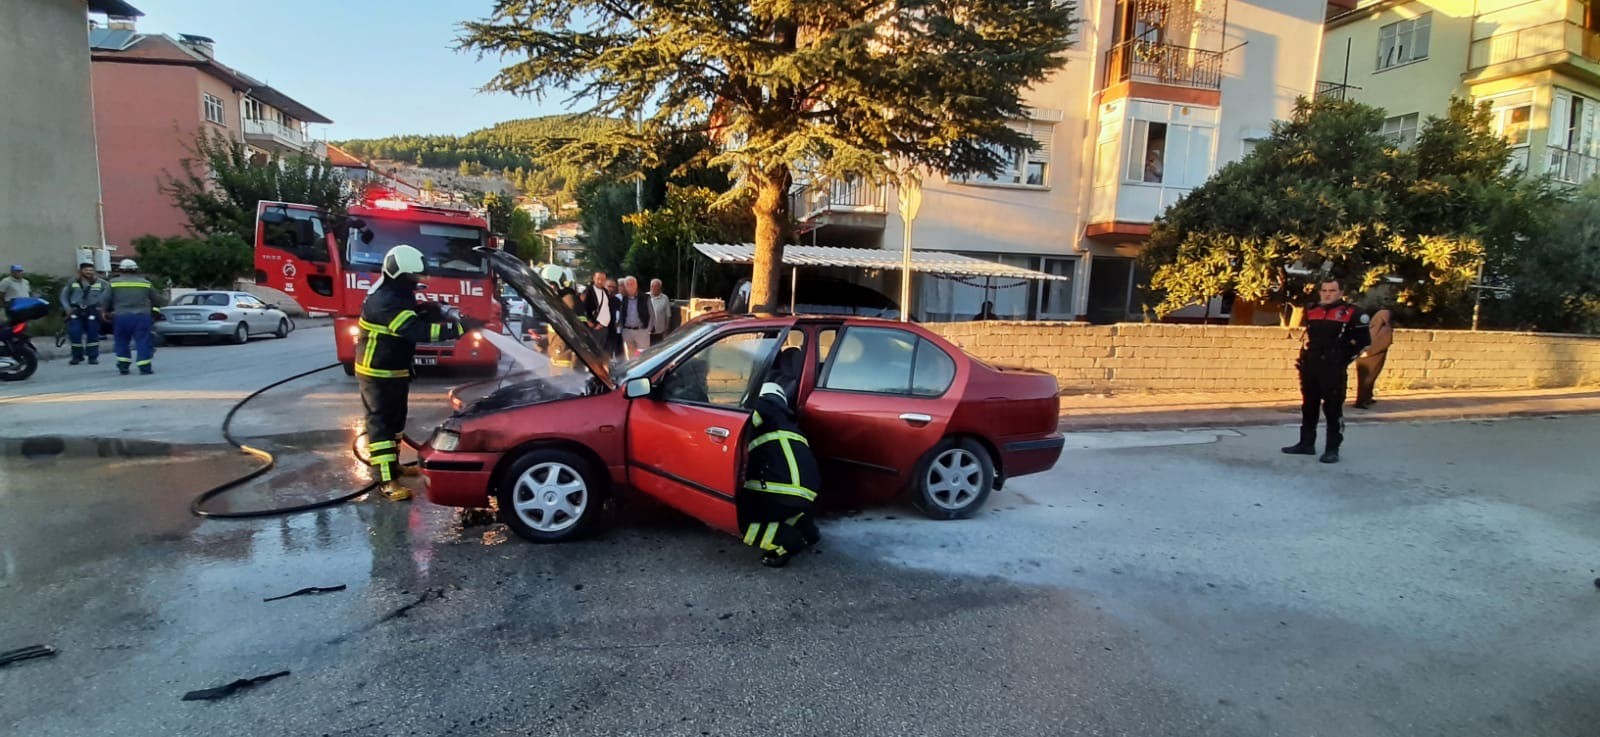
1436 583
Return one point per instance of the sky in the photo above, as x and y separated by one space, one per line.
375 67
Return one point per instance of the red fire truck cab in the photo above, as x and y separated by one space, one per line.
327 267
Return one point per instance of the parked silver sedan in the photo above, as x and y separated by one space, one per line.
234 316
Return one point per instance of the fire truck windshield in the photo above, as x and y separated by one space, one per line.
446 249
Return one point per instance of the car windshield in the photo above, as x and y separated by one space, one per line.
653 357
204 299
446 249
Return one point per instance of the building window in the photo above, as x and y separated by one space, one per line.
1401 130
1168 154
252 109
1055 297
1513 121
213 109
1574 145
1404 42
1026 168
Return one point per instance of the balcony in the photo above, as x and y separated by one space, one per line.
1555 44
276 136
1335 91
1164 64
856 204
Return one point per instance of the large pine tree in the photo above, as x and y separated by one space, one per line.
838 87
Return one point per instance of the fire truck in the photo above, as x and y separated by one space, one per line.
327 266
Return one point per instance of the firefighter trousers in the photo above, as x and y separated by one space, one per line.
385 401
131 334
83 331
1322 389
774 527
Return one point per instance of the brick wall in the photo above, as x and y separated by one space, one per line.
1215 358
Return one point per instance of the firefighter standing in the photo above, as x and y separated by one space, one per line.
131 302
1336 332
392 324
80 302
781 480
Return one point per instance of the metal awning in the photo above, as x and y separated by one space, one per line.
926 262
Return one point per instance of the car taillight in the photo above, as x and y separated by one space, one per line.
18 328
216 317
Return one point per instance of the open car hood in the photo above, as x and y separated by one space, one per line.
543 300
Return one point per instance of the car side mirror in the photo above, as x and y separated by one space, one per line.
636 388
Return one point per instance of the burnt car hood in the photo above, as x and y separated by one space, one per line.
527 393
543 300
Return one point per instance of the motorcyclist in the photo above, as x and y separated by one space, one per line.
80 302
392 323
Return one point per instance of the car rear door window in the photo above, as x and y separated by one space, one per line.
933 372
888 361
723 373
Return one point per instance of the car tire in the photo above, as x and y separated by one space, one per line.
550 495
349 369
241 334
283 328
954 480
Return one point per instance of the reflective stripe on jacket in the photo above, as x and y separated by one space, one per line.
391 330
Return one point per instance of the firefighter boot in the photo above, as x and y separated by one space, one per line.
394 491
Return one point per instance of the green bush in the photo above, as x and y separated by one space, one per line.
209 263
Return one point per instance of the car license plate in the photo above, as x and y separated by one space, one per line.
186 318
425 360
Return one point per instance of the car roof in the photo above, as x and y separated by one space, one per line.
756 319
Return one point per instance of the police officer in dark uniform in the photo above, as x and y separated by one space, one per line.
1336 332
781 474
392 324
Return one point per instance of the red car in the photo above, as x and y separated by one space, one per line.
890 408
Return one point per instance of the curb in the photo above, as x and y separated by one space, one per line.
43 447
1089 424
47 447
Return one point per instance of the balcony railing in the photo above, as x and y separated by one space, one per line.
286 135
1180 66
1335 91
859 195
1535 41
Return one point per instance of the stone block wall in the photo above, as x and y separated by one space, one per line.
1230 358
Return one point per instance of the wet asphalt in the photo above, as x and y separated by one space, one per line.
1436 583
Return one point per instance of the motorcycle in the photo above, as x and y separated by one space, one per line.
18 358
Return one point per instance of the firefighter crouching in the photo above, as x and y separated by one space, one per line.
781 480
131 303
392 323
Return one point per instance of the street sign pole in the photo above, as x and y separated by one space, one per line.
910 193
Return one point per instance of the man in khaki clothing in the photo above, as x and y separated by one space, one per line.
1370 364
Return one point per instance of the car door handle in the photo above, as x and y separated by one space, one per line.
917 418
720 433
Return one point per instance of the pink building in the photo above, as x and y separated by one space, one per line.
152 96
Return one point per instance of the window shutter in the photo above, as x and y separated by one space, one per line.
1558 120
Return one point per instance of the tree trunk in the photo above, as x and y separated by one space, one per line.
769 211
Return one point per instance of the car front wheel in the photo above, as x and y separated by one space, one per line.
955 480
550 495
283 329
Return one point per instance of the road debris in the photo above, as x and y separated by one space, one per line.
26 653
219 692
309 590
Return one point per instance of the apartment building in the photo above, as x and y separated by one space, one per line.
1536 63
153 95
49 184
1155 97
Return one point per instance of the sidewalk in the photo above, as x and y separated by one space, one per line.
1152 411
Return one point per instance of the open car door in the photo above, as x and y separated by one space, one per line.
686 438
297 255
